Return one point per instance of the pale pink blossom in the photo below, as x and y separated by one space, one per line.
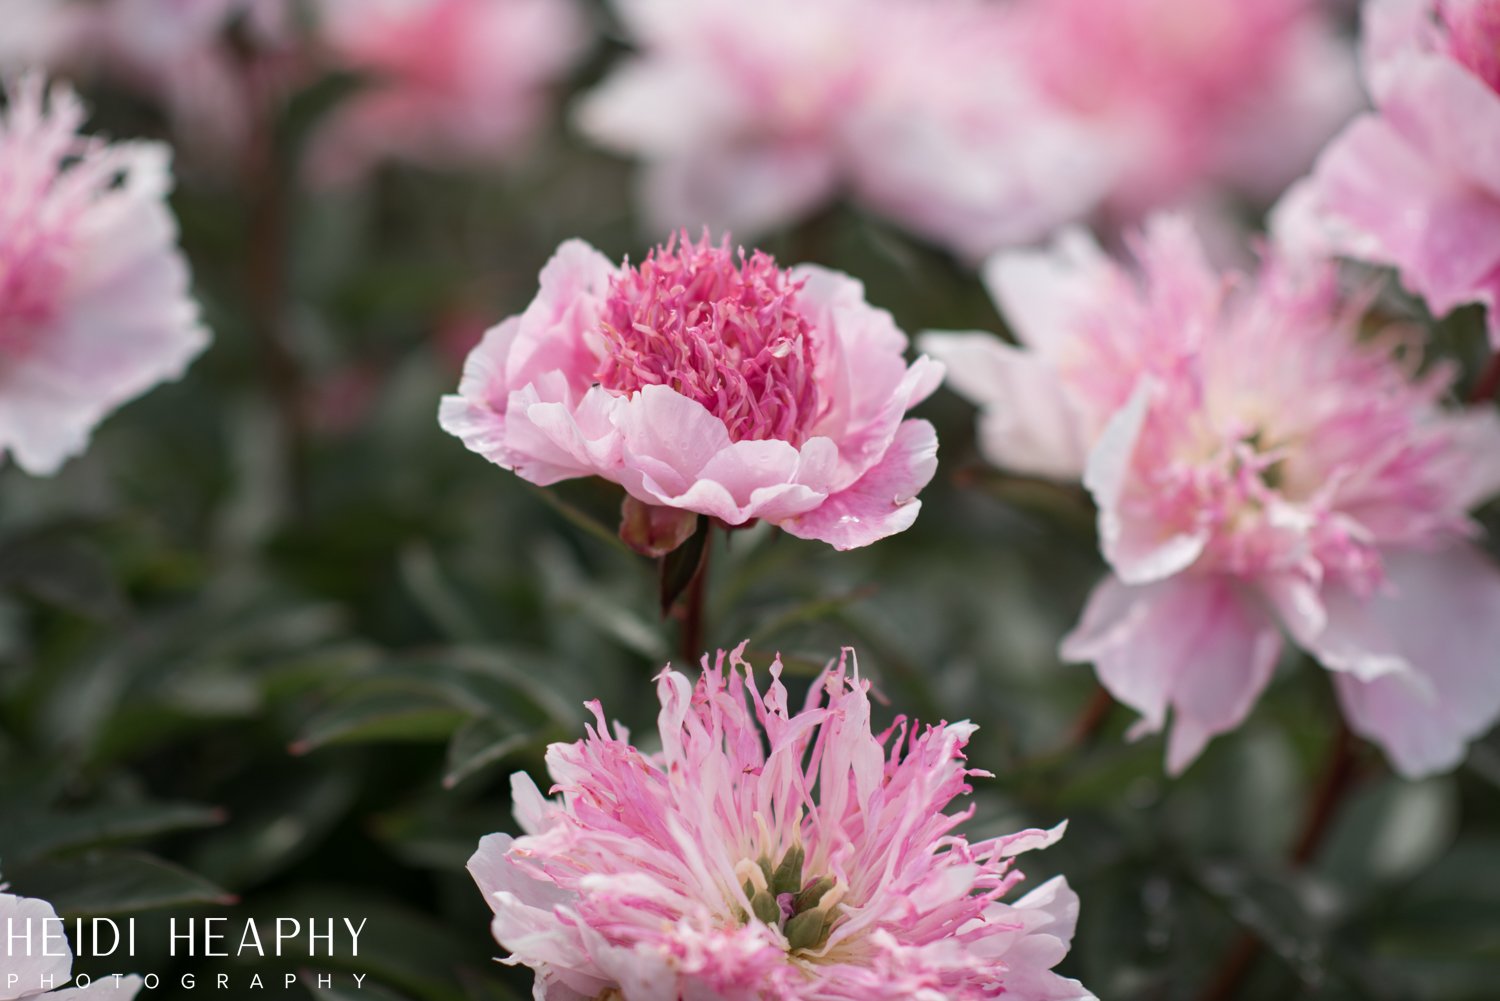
754 116
1193 97
1259 466
35 957
771 855
177 53
708 382
94 304
1416 184
447 82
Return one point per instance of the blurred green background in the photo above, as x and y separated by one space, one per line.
278 639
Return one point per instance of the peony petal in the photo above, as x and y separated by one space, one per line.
883 501
1443 615
1027 421
33 928
1139 549
1194 643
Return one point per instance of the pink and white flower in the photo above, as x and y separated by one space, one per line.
94 303
709 383
752 117
177 53
1192 98
1416 184
35 957
448 81
769 855
1258 465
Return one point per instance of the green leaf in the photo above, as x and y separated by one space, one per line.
681 565
479 744
28 837
106 883
380 717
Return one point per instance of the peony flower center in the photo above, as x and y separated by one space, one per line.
783 897
1474 36
31 278
725 330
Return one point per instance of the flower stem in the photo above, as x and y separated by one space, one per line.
1489 382
690 639
1328 795
266 280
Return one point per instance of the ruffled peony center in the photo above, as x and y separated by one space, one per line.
31 278
724 329
783 897
1474 36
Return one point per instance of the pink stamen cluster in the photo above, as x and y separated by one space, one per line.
722 329
770 854
39 202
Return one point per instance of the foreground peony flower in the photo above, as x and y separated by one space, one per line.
711 383
35 958
1416 184
768 855
1191 96
754 116
1255 461
449 81
94 305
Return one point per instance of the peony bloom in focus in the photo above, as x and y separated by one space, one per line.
711 383
1416 183
35 958
94 304
753 117
1192 96
770 856
1258 466
447 81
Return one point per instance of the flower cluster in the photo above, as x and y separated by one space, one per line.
94 304
708 382
1256 460
448 81
1415 184
978 125
769 854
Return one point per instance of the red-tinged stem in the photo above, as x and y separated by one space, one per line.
690 642
266 277
1093 718
1328 795
1489 382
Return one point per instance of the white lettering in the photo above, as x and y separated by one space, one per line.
210 936
354 932
175 935
282 936
251 935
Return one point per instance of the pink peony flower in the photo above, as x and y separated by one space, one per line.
708 382
778 107
449 81
94 304
1258 465
1188 95
1416 183
712 868
35 957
